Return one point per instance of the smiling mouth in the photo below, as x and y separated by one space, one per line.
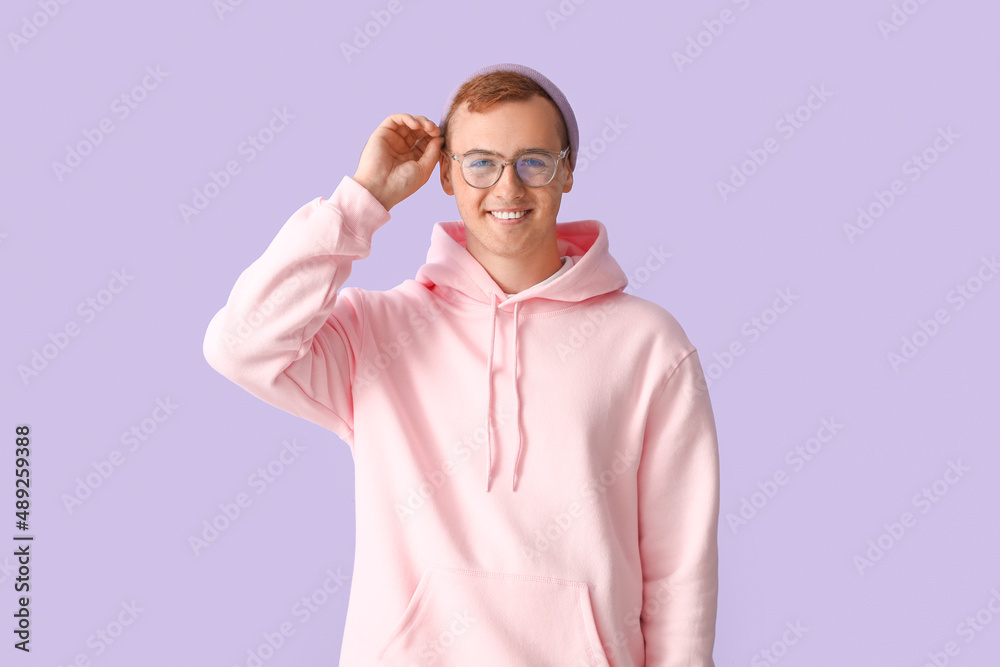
509 216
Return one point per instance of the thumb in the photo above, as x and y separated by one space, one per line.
431 153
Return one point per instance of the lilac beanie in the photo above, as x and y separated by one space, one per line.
557 96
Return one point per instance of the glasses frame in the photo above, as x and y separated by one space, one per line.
503 165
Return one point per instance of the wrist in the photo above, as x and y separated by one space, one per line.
375 191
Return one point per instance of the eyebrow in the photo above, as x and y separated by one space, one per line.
517 152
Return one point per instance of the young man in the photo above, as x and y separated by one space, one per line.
536 459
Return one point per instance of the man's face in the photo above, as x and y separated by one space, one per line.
507 129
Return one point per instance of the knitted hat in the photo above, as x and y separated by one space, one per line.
557 96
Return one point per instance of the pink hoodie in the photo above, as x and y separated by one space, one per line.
589 404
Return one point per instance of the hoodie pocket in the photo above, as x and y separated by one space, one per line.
462 617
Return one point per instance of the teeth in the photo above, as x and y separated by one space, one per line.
508 216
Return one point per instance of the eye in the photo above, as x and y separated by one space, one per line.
480 161
535 160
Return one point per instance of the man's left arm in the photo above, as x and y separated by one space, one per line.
678 488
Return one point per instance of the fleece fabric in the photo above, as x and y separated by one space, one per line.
566 263
536 476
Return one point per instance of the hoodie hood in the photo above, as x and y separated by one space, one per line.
593 272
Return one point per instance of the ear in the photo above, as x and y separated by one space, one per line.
568 183
445 169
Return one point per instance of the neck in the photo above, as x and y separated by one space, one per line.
514 274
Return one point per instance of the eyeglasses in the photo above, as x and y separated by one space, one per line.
481 169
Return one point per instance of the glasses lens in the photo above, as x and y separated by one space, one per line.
481 170
536 169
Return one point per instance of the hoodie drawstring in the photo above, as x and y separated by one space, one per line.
489 391
517 404
489 396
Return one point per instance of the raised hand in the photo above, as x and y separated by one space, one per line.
399 157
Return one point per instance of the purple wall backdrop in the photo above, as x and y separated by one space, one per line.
822 175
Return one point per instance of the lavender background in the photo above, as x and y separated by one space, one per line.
662 136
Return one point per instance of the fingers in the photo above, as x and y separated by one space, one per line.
417 123
424 123
431 153
413 135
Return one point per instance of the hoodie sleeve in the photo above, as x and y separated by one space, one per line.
285 335
678 521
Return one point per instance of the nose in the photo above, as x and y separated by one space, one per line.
510 186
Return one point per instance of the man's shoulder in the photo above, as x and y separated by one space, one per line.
407 293
645 333
647 314
650 326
